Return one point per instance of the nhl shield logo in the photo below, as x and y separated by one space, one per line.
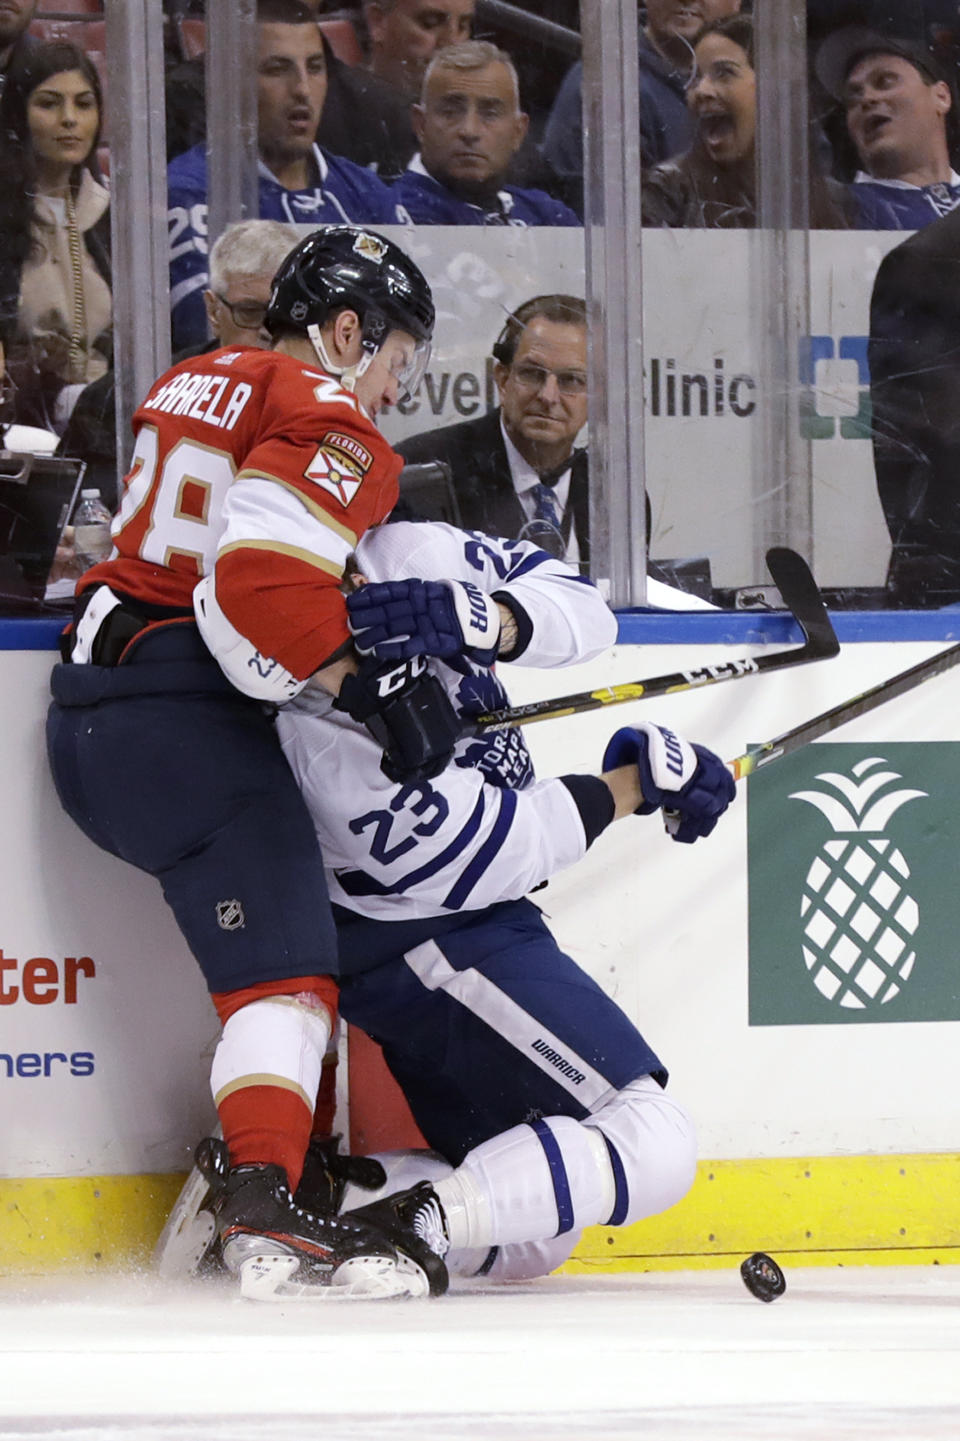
230 916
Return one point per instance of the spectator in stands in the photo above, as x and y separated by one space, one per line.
901 118
405 35
713 185
15 41
515 470
470 125
666 62
243 262
364 119
299 182
57 224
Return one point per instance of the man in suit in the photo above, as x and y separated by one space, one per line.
516 471
914 357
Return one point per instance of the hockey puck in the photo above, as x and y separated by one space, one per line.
763 1277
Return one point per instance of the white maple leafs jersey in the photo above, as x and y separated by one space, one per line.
486 829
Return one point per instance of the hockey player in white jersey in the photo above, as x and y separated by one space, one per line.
545 1107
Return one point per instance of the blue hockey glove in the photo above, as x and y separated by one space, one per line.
398 619
689 783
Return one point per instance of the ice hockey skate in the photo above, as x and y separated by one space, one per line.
415 1223
187 1242
282 1252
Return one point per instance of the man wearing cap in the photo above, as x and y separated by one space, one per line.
902 121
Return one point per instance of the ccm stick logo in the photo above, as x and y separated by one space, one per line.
43 982
729 668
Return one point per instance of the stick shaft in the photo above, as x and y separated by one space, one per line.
587 700
868 700
801 596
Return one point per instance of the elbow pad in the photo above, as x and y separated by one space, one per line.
253 673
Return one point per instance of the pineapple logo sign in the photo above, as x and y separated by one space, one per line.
857 919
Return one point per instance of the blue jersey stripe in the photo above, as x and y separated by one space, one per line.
359 883
523 567
487 853
622 1202
558 1175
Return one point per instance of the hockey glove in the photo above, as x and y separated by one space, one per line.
690 783
397 619
327 1174
408 713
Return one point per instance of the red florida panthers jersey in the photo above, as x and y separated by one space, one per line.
255 466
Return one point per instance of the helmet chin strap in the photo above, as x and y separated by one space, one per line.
348 375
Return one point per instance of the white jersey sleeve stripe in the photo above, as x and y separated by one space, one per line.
279 518
522 1030
318 511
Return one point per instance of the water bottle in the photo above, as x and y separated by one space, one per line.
91 529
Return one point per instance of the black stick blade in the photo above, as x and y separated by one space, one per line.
798 589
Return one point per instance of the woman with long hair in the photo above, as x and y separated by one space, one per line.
714 185
54 231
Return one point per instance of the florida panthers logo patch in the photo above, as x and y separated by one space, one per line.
372 247
339 465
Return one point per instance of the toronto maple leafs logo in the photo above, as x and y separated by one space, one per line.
501 756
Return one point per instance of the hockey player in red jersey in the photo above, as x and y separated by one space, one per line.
254 474
547 1108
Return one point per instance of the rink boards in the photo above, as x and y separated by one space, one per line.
799 972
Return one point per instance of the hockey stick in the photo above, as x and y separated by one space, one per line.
800 595
848 710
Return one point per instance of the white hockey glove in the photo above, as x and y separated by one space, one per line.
688 782
397 619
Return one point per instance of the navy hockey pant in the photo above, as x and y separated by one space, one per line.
488 1025
163 763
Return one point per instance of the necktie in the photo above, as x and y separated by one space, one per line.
546 506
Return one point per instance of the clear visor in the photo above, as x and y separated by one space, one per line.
408 365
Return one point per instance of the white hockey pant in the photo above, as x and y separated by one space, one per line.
531 1190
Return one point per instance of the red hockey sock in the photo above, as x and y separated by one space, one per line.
267 1069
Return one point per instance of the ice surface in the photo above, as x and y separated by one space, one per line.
846 1353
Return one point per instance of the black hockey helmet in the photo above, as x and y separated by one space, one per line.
342 267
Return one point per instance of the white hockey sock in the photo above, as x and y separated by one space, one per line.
272 1042
466 1208
528 1184
633 1157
